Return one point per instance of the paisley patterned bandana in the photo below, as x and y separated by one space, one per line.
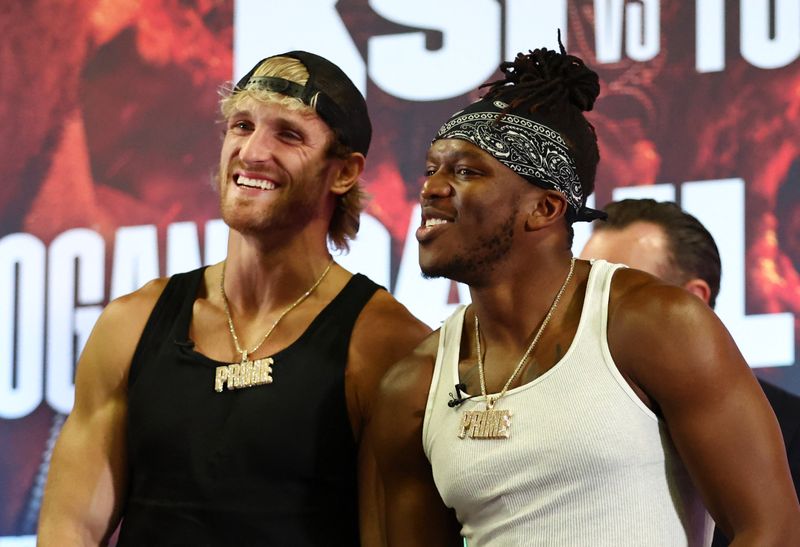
534 151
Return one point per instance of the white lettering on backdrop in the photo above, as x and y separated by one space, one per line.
75 281
59 291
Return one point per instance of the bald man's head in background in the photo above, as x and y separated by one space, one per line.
661 239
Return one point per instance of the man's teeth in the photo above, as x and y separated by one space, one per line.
434 221
255 183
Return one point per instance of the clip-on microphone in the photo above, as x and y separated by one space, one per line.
457 399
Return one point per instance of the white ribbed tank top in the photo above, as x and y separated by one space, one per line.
587 463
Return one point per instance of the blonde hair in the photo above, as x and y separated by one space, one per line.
345 219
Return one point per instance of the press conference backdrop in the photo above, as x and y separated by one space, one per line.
110 138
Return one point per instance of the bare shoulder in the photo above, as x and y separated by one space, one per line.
124 318
415 513
407 382
672 347
401 399
385 332
87 480
137 304
105 361
640 303
391 313
661 336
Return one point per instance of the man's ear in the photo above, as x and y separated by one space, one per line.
348 172
699 288
547 207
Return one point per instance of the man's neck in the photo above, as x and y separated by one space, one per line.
267 275
516 302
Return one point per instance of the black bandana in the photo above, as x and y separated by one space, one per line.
534 151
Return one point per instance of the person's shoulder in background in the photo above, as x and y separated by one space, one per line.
787 409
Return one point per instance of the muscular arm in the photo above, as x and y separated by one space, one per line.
384 333
678 355
86 480
414 512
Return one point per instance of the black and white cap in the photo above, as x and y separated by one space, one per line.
339 102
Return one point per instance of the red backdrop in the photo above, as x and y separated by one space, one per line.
110 120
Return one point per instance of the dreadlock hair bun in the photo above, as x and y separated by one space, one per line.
555 89
545 79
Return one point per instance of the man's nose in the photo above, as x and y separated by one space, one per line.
258 147
436 185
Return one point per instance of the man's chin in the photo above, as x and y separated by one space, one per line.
447 271
433 271
431 274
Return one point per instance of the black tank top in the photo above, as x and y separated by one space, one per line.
272 464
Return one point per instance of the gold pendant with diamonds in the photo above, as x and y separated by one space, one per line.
485 424
245 374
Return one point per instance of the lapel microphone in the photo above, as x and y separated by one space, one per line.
458 398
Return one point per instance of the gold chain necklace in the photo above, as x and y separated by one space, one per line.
252 372
496 424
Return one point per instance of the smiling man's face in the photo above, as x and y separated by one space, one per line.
470 211
275 171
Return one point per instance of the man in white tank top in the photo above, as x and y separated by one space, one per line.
661 239
572 403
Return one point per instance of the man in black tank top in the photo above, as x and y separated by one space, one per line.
662 239
652 423
227 406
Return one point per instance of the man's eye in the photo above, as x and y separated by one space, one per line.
241 125
291 135
464 172
430 171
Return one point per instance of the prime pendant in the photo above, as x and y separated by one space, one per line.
245 374
485 424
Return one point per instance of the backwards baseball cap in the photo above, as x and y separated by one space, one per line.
338 102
